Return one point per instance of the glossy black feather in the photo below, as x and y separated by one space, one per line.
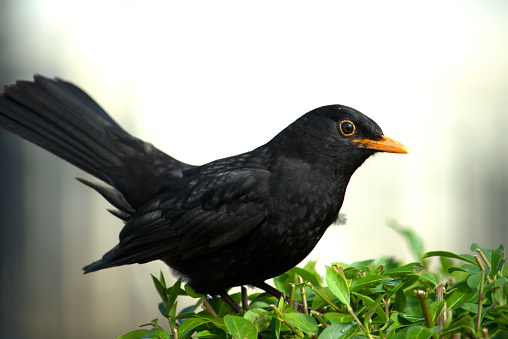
234 221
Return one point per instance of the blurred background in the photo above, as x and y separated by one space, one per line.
208 79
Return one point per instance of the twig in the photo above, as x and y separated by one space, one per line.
208 307
422 297
304 297
439 296
288 324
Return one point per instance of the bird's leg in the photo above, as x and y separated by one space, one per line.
269 289
277 294
245 299
224 295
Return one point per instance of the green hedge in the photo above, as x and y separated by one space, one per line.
382 298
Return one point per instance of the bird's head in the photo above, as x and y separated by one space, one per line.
338 135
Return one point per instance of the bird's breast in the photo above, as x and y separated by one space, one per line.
306 200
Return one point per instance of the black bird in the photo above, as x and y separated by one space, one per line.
231 222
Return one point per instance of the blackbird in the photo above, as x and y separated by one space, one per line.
234 221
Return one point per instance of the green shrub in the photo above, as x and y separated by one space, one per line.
374 299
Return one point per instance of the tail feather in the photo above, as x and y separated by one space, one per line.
64 120
54 123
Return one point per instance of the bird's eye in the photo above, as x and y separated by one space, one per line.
347 128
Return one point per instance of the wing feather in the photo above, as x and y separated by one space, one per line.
194 216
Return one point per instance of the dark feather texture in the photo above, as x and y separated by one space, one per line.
234 221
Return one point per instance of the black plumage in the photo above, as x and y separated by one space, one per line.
234 221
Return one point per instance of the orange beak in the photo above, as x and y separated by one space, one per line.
384 145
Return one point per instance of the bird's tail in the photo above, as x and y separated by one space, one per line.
64 120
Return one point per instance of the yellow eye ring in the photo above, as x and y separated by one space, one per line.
347 128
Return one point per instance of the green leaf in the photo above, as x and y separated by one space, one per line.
474 281
190 291
411 268
457 269
400 301
410 317
448 255
313 277
342 264
188 326
435 309
371 304
429 277
387 263
217 322
174 291
350 272
361 265
500 291
498 260
460 293
374 308
208 334
319 302
400 334
419 332
185 315
136 334
275 326
338 285
395 286
339 331
465 322
259 317
304 322
157 333
368 281
414 241
470 307
335 317
240 328
310 267
160 286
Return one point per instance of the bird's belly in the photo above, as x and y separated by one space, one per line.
267 252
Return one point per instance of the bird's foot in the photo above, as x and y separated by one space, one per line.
225 296
277 294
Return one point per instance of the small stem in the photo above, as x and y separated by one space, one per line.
328 301
480 289
174 329
485 333
439 296
304 297
292 295
484 258
386 301
502 265
208 307
288 324
479 262
363 328
422 297
318 316
480 300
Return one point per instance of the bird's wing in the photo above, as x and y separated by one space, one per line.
197 216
